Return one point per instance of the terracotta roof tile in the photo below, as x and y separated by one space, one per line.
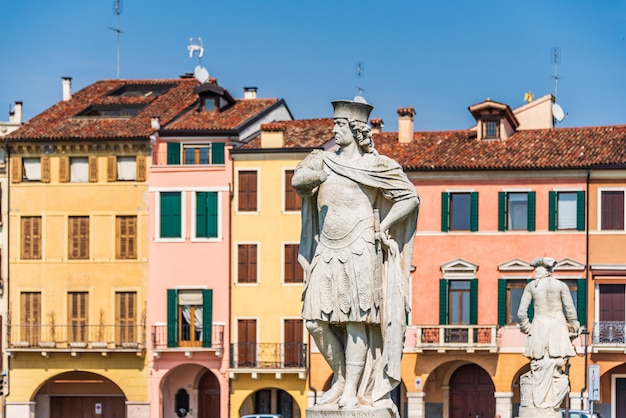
304 133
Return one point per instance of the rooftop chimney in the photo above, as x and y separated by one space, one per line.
15 116
377 125
272 135
405 124
249 92
67 88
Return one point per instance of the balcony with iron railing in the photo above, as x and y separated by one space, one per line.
76 338
278 358
609 337
467 338
187 339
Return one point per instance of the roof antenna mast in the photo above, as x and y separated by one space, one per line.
118 31
557 111
360 69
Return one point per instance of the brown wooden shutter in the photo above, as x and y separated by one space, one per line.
292 200
246 345
247 196
93 169
126 237
293 343
125 316
293 270
45 169
78 231
112 168
30 312
16 169
64 169
77 315
246 260
31 237
141 168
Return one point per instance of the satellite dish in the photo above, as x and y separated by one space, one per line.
201 74
359 99
557 112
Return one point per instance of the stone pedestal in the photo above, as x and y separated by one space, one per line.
532 412
333 411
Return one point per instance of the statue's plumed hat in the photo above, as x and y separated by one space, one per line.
547 262
347 109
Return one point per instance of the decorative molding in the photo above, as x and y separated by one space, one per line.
515 264
459 268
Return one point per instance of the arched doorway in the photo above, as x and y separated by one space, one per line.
208 396
271 401
80 395
472 393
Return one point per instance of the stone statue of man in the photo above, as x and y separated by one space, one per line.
359 216
549 342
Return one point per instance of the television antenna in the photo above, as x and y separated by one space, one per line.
360 69
557 111
196 49
118 31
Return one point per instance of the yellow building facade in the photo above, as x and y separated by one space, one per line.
269 349
78 273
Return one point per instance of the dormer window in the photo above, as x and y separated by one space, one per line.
491 129
209 104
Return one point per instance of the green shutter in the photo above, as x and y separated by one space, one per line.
443 302
581 301
170 218
501 211
580 210
217 153
201 215
473 301
532 204
172 318
445 212
552 196
207 317
502 313
173 153
212 212
474 211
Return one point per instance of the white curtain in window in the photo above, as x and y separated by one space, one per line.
32 168
518 211
566 211
79 169
126 168
186 309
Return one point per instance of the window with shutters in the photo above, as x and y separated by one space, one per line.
566 210
293 346
514 289
31 169
77 312
126 317
292 199
516 211
246 343
78 237
170 215
189 317
206 215
30 317
79 169
31 237
293 271
126 237
459 211
246 263
458 305
611 210
209 153
247 190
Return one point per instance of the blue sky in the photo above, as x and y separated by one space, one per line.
436 56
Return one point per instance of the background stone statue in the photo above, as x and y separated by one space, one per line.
359 216
549 342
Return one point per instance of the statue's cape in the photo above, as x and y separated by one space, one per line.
386 175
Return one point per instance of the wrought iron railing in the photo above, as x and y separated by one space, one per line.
457 337
76 336
172 336
609 332
267 355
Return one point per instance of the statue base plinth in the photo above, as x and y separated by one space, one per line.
333 411
532 412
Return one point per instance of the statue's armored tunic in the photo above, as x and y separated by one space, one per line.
343 286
